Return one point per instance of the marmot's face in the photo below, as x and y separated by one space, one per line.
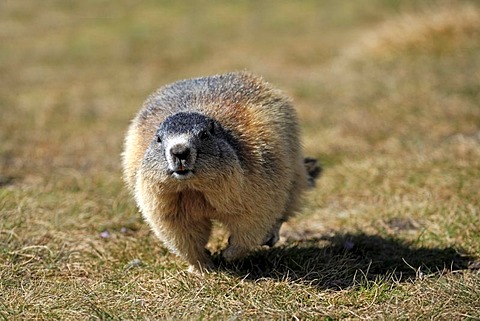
187 146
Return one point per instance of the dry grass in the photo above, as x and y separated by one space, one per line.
431 29
388 94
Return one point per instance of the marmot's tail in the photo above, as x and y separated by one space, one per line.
313 170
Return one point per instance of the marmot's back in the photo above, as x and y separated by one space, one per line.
224 147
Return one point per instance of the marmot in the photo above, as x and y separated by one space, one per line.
223 148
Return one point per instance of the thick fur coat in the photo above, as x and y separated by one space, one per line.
222 148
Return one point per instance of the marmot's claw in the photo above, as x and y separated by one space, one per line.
271 240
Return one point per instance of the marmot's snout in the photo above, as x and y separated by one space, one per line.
181 156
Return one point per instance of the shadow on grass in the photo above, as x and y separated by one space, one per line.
342 261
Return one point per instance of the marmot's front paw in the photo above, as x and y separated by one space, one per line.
205 266
200 270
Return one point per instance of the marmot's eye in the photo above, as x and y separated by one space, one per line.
159 139
203 135
211 128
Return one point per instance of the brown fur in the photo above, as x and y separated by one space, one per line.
251 194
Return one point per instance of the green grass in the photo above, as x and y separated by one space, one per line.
388 97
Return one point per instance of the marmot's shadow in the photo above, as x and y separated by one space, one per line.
336 262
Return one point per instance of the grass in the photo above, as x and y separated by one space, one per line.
387 93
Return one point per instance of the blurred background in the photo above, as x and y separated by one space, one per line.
74 73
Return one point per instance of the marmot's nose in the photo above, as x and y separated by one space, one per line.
180 151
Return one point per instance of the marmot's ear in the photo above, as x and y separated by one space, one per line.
158 136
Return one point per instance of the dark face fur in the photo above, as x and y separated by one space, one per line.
188 144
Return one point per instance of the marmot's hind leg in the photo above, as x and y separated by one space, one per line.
307 173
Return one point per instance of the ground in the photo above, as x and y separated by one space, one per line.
388 98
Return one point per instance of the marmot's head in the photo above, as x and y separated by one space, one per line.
189 146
